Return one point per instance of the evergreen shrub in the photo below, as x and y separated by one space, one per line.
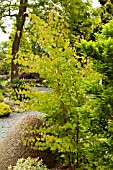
4 109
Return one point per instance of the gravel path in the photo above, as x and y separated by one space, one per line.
7 122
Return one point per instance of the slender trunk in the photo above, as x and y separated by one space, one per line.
77 164
20 21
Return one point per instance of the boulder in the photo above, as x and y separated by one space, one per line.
11 147
1 77
9 102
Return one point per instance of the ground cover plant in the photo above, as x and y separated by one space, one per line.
28 164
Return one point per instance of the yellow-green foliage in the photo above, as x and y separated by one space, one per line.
68 110
28 164
1 97
4 109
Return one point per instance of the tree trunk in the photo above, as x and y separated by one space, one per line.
77 163
20 21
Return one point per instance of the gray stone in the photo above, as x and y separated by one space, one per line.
1 77
11 147
9 102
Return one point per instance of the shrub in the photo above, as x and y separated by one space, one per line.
4 109
1 97
21 89
29 164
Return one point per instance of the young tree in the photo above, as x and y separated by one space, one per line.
67 107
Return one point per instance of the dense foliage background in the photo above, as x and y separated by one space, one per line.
70 45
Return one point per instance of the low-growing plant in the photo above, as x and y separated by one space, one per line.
1 97
4 109
4 82
20 88
28 164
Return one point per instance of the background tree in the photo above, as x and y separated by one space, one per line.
20 21
106 10
9 8
80 22
82 18
4 66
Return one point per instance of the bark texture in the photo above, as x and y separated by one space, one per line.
20 21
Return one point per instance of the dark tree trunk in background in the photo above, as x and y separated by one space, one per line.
20 21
